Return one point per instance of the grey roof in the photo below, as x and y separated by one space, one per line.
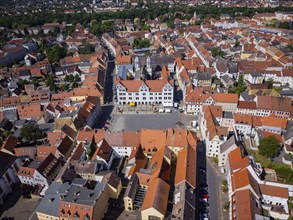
203 76
82 195
288 134
79 182
227 78
85 166
227 144
50 203
246 96
100 186
228 115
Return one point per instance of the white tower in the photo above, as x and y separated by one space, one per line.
148 65
136 64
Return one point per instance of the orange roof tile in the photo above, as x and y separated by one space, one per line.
156 196
275 191
274 122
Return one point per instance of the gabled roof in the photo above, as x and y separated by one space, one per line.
156 196
236 160
274 191
65 145
6 160
152 139
104 151
70 132
245 205
48 166
186 166
10 143
247 105
274 103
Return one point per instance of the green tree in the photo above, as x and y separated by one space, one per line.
269 83
87 48
31 132
216 52
55 53
51 83
6 133
269 147
22 82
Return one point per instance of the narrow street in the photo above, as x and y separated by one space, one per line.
206 174
214 182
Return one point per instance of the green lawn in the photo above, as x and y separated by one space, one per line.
284 171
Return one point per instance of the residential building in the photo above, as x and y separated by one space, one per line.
9 166
39 172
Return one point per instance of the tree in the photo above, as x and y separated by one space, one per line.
55 53
269 83
87 48
216 52
6 133
269 147
51 83
141 43
31 132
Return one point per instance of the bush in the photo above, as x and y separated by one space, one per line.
224 182
215 160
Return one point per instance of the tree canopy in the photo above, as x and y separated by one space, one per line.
87 48
31 132
141 43
269 147
217 52
151 11
55 53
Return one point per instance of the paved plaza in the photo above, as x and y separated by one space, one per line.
136 121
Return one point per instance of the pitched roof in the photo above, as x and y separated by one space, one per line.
151 139
228 98
186 166
6 160
70 132
10 143
243 118
236 160
156 196
274 122
65 145
247 105
245 205
275 191
274 103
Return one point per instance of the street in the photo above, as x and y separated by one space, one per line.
209 177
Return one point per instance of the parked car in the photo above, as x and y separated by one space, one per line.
107 122
105 128
203 200
206 196
203 191
203 210
203 215
202 170
204 204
